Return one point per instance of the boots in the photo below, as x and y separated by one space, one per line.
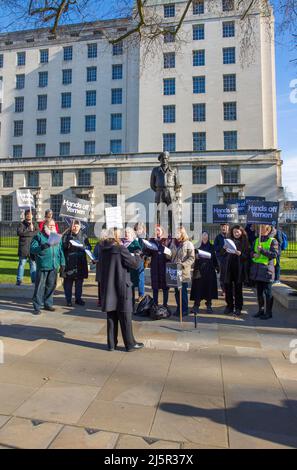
268 314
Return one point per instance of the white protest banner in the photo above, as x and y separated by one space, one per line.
225 213
75 208
261 212
25 199
113 216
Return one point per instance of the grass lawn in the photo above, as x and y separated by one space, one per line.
9 264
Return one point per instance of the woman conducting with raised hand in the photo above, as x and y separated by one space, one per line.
233 270
204 279
116 290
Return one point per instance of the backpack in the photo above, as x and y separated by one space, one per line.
144 307
285 242
159 312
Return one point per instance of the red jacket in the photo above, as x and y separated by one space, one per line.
41 224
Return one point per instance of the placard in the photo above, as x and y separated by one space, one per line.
74 208
261 212
250 199
25 199
227 213
113 216
174 275
241 203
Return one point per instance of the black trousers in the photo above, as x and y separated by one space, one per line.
264 291
233 295
125 319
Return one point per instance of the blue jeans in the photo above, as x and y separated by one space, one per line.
141 288
45 285
21 269
185 303
68 285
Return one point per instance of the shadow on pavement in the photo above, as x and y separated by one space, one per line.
264 421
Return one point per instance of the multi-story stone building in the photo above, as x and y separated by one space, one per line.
83 116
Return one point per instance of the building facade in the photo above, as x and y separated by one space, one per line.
84 117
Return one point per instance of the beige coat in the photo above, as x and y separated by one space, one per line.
184 254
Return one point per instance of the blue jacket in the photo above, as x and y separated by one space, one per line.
47 257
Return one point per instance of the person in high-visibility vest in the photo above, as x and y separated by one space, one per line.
263 270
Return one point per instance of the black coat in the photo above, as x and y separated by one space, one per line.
235 268
204 282
76 258
158 264
115 282
25 237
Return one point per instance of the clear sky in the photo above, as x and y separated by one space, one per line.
286 73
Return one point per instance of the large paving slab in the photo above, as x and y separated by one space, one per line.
12 396
80 438
119 417
59 402
133 389
191 417
202 374
27 434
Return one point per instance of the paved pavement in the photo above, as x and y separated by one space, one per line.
227 384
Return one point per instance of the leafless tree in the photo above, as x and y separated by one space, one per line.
147 24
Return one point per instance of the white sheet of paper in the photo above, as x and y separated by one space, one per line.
230 246
167 251
150 245
113 217
90 254
204 254
77 244
54 239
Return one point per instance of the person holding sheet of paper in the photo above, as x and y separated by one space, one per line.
233 269
159 259
49 260
48 216
75 242
140 231
26 230
204 279
264 257
183 252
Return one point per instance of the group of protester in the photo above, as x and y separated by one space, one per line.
121 259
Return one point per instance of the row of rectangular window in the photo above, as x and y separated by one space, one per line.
64 150
199 84
199 112
228 30
92 52
230 175
198 8
83 178
198 58
117 74
65 124
199 141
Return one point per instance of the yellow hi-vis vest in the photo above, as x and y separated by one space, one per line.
262 258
